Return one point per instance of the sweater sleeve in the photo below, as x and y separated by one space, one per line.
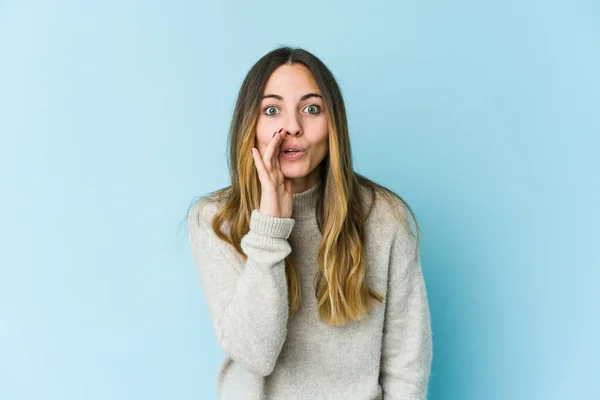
247 302
407 339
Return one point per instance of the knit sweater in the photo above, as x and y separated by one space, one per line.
270 356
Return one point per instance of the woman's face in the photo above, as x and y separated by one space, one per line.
292 101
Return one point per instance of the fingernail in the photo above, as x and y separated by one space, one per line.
280 130
274 134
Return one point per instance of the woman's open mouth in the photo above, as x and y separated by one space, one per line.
292 154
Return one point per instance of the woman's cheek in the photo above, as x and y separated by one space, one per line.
263 136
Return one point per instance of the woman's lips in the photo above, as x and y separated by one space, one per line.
291 156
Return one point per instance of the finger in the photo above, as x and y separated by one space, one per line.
271 147
277 151
260 167
267 157
277 156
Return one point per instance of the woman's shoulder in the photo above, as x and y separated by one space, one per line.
385 211
203 209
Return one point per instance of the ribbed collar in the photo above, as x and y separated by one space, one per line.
305 203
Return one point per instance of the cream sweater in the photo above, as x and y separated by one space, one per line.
386 356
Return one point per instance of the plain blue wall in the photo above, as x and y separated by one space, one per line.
484 116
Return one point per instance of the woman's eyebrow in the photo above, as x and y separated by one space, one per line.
306 96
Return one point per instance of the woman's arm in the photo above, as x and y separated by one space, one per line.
407 339
248 303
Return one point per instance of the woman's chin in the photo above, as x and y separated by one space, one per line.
292 173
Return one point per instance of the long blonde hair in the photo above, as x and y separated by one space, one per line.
340 289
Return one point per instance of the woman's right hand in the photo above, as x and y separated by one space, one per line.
276 197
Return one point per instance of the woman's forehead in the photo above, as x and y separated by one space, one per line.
291 81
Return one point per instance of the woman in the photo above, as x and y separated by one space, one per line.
310 271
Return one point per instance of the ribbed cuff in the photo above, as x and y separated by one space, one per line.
271 226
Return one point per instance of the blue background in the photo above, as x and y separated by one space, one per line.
484 116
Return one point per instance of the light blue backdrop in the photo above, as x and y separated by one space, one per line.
484 116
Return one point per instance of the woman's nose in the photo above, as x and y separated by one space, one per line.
292 125
293 133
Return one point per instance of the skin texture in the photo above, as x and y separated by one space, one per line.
303 122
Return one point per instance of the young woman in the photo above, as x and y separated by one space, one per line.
310 271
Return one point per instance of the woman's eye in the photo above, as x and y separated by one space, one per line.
267 110
314 107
